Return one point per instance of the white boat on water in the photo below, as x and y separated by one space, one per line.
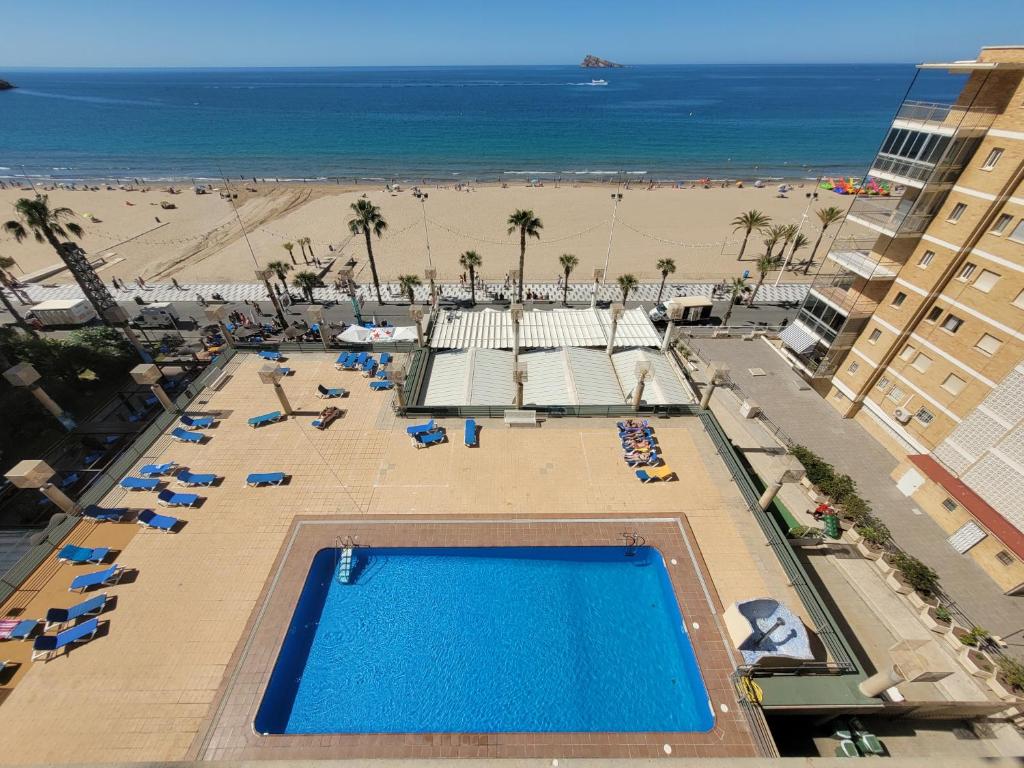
599 82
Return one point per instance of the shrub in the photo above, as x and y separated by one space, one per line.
873 530
1011 672
855 508
818 470
975 636
942 614
917 574
838 487
805 532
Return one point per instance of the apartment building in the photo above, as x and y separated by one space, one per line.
915 323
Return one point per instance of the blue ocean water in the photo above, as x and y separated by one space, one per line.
551 639
451 122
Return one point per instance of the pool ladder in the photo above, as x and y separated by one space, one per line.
346 559
634 541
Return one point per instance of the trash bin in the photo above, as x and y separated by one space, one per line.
831 523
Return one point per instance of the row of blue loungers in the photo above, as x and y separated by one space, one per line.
640 451
425 435
370 367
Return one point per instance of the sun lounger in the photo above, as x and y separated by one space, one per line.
654 473
385 358
268 355
265 478
17 629
155 470
140 483
102 578
103 514
368 368
343 360
847 748
470 434
56 617
283 370
425 439
168 498
149 519
326 417
266 418
69 553
378 386
360 359
326 393
47 646
189 479
184 436
420 429
639 424
641 461
383 375
866 742
197 422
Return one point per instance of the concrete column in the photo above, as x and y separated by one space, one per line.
880 682
519 394
769 494
283 398
58 497
709 390
165 401
48 403
667 340
638 394
616 311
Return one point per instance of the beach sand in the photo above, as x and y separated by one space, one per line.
201 241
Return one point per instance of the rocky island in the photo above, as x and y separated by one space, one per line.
593 62
6 86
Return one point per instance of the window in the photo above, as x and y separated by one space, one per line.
853 368
967 271
882 383
922 362
1018 232
952 323
877 334
1004 557
954 384
986 280
908 352
1019 301
926 259
898 299
957 212
992 159
935 312
924 416
896 394
988 344
949 504
1001 224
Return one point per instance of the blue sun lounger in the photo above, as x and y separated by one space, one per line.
70 553
140 483
56 617
197 422
326 393
343 360
102 578
284 371
12 629
103 514
184 436
189 479
361 358
428 438
266 418
149 519
470 436
368 367
379 385
385 358
268 355
420 429
265 478
47 646
155 470
168 498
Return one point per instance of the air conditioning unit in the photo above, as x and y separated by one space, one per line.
902 415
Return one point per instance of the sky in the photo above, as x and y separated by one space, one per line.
315 33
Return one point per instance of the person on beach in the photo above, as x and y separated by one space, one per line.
175 284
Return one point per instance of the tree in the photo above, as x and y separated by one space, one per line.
789 231
280 268
772 235
9 280
569 263
307 281
290 247
309 244
626 284
367 221
799 243
407 284
5 282
305 242
751 221
827 217
736 287
764 265
666 267
528 226
469 261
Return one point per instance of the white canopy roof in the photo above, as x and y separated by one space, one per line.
358 335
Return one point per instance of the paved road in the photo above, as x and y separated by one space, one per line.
809 420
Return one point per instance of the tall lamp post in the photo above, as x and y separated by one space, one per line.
431 274
616 199
24 375
271 374
149 374
616 311
33 473
675 314
317 313
811 197
416 313
516 312
598 277
520 377
644 371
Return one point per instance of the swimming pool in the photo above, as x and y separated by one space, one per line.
465 640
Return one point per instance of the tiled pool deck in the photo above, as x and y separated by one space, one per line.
147 689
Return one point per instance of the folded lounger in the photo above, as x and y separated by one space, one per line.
385 358
654 473
470 436
140 483
428 438
17 629
379 385
188 478
102 578
184 436
155 470
56 617
197 422
47 646
69 553
149 519
104 514
168 498
268 355
265 478
265 418
420 429
326 393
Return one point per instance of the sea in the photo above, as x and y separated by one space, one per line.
454 123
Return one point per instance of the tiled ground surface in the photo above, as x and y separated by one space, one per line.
142 691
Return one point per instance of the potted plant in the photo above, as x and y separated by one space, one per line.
955 637
937 618
805 536
873 536
1008 682
921 580
977 662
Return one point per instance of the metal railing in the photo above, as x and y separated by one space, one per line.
953 115
888 216
552 411
915 170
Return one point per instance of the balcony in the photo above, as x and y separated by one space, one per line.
946 119
892 217
864 263
912 173
851 303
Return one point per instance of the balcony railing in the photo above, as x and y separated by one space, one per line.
864 262
913 170
888 217
949 115
850 302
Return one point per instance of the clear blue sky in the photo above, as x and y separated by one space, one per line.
211 33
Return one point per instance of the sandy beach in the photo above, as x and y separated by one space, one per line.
201 240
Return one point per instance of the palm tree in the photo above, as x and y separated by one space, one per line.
290 247
827 217
749 222
469 261
626 284
764 265
308 242
527 224
799 243
280 268
666 267
367 221
6 282
772 235
736 286
8 279
407 284
789 231
307 281
568 262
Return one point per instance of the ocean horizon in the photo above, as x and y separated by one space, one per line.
657 122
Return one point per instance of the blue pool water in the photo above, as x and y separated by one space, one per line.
487 640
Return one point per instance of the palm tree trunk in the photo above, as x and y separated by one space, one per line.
311 250
814 252
625 295
757 287
661 288
728 312
373 265
565 290
19 321
744 246
472 285
59 249
292 257
522 260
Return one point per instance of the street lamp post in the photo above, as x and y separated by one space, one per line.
675 314
520 377
811 197
24 375
149 374
598 277
416 313
217 315
616 198
271 374
33 473
317 313
426 237
644 371
431 274
616 311
717 373
516 312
